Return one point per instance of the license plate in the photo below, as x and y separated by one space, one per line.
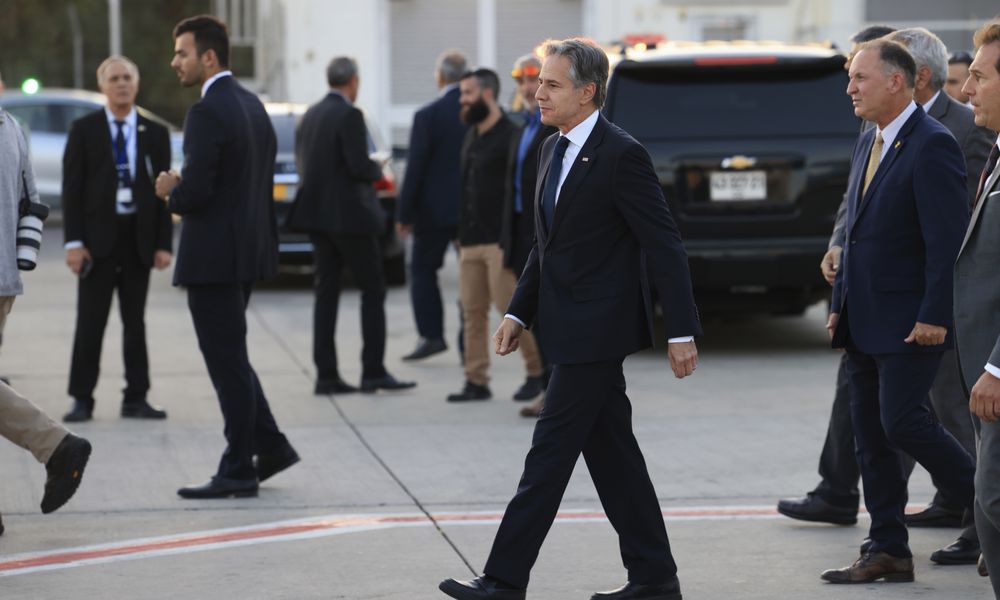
284 192
738 185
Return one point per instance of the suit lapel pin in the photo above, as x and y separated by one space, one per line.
898 144
141 128
584 159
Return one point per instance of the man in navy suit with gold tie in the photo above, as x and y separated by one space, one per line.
892 300
601 219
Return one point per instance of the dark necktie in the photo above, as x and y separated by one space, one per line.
991 163
121 160
552 181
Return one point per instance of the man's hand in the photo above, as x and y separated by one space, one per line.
403 230
161 260
927 335
75 258
830 263
985 400
507 337
831 323
166 181
683 358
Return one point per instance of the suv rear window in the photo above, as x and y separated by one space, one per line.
671 101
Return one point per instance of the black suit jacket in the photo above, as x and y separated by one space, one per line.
335 193
585 280
518 231
432 187
229 234
90 184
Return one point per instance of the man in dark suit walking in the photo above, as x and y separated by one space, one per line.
599 210
228 241
337 205
116 231
977 295
892 300
428 200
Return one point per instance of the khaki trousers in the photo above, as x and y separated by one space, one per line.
482 279
22 422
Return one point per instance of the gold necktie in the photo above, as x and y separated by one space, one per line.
873 160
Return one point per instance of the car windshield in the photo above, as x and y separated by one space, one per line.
723 103
284 129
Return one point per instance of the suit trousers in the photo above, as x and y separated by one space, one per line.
586 410
482 280
219 315
988 499
890 410
363 256
838 463
122 270
426 259
21 421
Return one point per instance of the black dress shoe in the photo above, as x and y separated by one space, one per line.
981 567
64 471
425 348
370 385
83 410
1 524
325 387
471 391
814 508
220 487
935 516
643 591
959 552
481 588
269 465
866 545
530 389
142 410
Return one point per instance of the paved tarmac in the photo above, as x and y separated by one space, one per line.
398 491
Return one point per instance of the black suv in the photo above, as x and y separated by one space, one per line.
752 145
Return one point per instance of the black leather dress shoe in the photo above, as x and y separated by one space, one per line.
471 391
269 465
64 471
480 588
981 567
814 508
866 545
370 385
1 524
325 387
220 487
83 410
425 348
142 410
640 591
530 389
935 516
959 552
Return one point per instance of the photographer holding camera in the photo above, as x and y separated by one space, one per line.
63 454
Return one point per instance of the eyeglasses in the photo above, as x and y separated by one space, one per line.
529 70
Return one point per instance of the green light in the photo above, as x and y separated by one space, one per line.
31 86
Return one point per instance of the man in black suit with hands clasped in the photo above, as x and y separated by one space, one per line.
115 231
228 241
599 210
337 205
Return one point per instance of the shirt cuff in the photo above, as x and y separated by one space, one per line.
515 319
994 371
681 340
73 244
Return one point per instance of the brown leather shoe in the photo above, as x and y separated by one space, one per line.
534 409
981 567
872 567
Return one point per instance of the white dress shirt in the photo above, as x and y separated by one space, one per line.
577 138
927 105
892 129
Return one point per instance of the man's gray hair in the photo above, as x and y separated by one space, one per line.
588 63
451 66
116 58
928 51
341 70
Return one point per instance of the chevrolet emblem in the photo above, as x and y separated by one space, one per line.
738 162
